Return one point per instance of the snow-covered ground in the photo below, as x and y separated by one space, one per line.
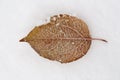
18 61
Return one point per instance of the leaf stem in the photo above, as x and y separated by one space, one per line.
99 39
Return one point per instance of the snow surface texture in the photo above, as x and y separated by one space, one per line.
18 61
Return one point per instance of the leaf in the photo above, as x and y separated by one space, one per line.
65 39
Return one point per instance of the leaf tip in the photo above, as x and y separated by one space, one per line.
22 40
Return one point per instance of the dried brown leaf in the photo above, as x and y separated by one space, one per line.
65 39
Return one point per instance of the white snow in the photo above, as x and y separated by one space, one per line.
18 61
